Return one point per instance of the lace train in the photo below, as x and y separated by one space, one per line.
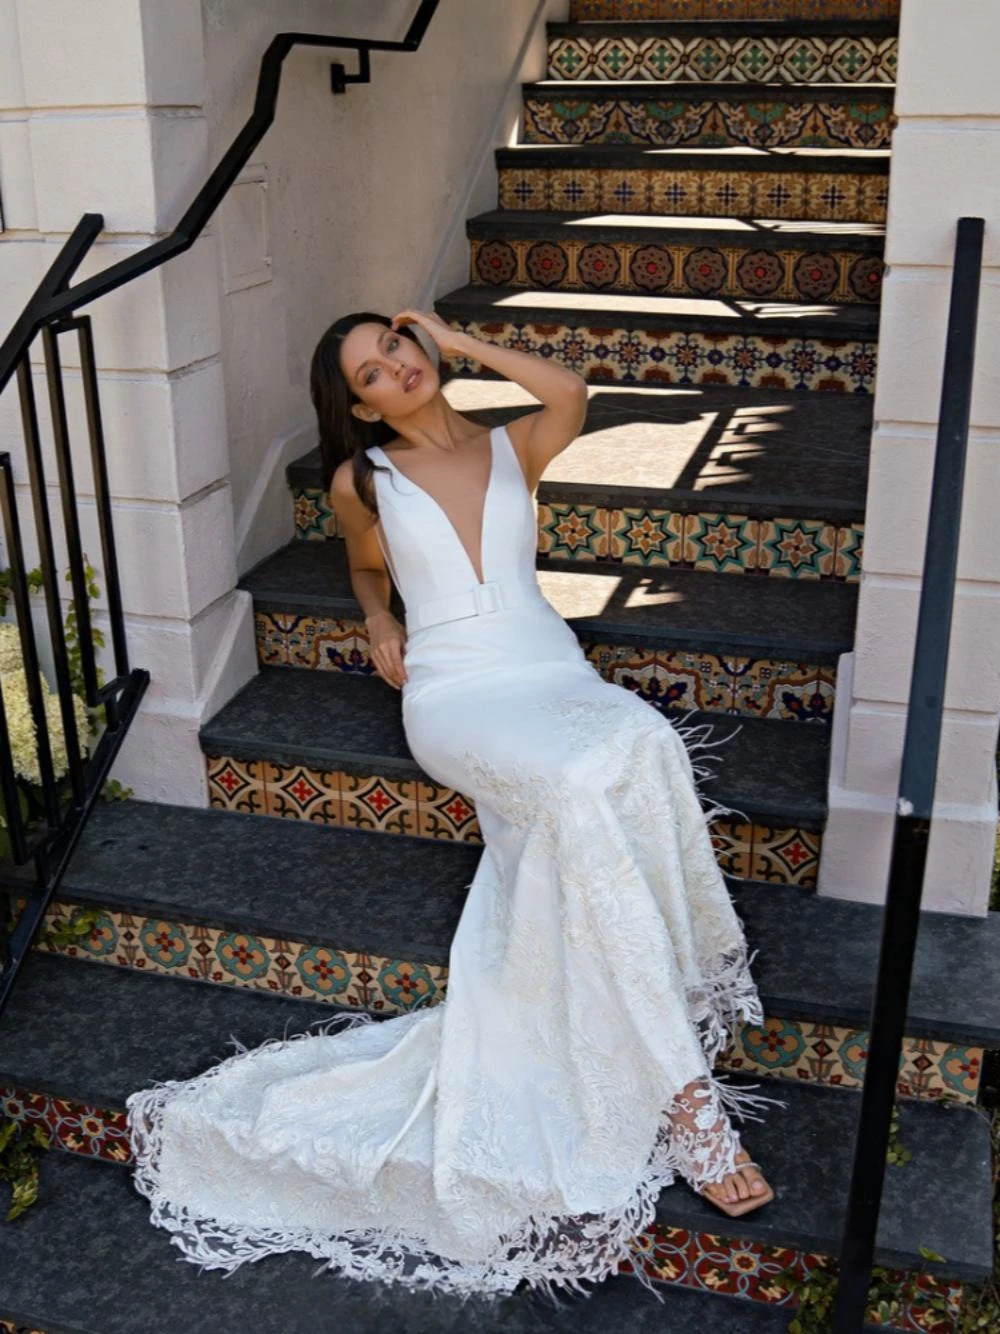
587 980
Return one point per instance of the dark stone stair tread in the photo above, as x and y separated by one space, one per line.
786 445
760 234
813 621
941 1198
402 896
818 960
771 769
518 305
684 91
121 1275
139 1030
352 889
726 157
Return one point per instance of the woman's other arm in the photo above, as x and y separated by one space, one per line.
370 580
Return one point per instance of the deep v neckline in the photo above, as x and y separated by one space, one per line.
444 514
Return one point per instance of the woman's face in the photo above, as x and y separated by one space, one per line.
379 366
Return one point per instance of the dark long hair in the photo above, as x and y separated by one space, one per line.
342 435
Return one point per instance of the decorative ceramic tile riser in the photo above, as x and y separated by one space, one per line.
682 269
671 1255
812 196
716 58
313 514
11 1327
787 548
805 1052
582 11
750 1270
669 680
713 122
750 851
782 547
613 355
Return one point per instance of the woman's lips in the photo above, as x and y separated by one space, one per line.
412 380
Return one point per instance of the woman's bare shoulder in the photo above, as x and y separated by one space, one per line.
343 495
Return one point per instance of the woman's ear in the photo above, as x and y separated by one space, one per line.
365 413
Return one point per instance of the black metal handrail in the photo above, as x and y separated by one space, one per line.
917 782
52 299
50 311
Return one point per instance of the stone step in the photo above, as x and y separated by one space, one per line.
734 481
330 747
716 10
819 185
120 1275
696 115
659 340
679 638
204 895
677 256
789 51
351 724
136 1029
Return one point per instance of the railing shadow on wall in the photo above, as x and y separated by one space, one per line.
43 821
917 782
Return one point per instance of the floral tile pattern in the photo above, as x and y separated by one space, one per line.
716 58
302 969
298 792
787 547
683 268
716 121
751 360
750 1270
667 679
711 192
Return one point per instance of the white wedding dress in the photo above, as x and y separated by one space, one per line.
522 1128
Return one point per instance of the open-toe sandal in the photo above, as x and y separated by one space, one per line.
738 1207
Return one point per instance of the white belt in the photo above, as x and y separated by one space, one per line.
480 600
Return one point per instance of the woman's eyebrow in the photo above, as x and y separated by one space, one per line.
378 343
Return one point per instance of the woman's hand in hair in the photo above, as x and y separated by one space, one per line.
450 342
387 640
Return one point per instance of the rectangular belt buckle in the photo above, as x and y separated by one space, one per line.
487 597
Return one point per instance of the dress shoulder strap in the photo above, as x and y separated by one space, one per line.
380 534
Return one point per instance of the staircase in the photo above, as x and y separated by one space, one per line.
694 222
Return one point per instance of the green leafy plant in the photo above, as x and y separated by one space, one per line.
897 1152
21 1148
20 719
890 1293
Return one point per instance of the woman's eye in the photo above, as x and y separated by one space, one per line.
393 342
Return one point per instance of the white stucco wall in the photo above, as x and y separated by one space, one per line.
358 200
123 108
101 111
945 164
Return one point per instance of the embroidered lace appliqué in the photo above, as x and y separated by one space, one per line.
615 849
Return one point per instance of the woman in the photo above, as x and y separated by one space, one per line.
520 1131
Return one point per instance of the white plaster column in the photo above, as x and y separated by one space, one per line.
945 164
101 110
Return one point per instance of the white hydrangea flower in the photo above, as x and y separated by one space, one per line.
20 724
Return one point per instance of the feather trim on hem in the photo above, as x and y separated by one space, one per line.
552 1254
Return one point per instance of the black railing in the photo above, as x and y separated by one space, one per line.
48 835
918 779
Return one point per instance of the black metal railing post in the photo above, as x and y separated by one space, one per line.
918 778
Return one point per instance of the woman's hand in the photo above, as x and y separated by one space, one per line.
387 640
451 342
